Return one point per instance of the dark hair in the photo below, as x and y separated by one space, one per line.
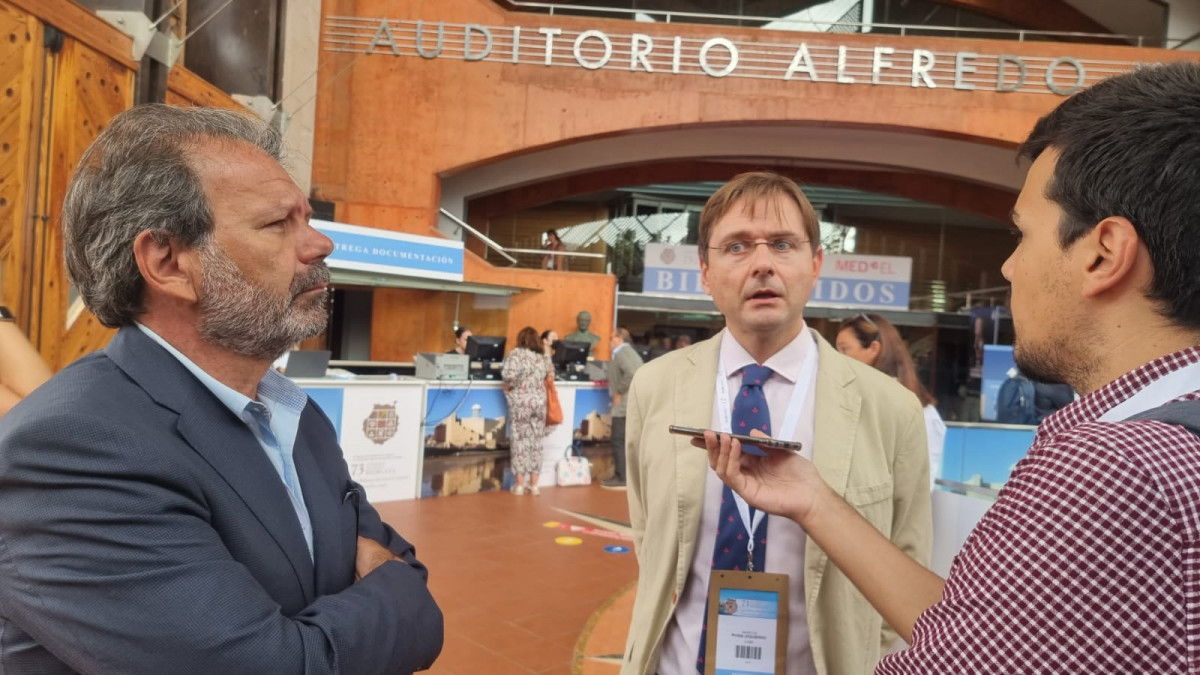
528 339
546 334
458 332
754 187
893 358
553 233
1129 146
139 175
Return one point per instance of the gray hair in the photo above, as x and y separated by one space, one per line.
135 177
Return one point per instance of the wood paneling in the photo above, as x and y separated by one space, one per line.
84 25
88 82
89 89
187 88
20 86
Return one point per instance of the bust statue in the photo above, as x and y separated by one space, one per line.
582 321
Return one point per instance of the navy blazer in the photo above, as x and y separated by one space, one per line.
144 530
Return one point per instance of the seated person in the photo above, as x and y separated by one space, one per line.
460 340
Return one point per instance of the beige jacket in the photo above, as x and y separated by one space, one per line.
869 446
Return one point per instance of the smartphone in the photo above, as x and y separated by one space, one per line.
793 446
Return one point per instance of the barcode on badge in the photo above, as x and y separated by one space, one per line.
744 652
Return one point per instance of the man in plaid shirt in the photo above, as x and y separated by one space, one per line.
1089 561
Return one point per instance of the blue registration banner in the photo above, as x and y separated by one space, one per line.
370 250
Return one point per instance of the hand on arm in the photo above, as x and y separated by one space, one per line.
786 484
370 555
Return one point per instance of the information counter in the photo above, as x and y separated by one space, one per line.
378 426
405 438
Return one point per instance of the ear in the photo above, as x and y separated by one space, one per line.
166 266
1110 254
704 276
818 260
873 349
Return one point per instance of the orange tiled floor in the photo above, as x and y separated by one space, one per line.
514 600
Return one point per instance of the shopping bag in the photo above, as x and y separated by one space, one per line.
573 468
554 413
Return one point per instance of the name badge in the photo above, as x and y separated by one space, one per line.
747 623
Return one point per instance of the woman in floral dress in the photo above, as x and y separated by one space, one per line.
525 370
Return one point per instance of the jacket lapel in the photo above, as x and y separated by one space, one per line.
220 438
324 508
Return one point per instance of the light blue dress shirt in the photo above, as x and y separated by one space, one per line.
274 419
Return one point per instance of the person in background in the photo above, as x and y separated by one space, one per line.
873 340
549 337
681 341
460 340
553 243
170 503
624 363
21 366
524 373
1016 399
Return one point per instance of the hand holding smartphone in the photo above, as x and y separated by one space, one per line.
749 443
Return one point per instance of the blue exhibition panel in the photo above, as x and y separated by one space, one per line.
984 454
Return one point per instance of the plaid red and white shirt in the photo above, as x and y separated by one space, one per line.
1089 561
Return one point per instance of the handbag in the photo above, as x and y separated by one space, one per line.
554 414
573 468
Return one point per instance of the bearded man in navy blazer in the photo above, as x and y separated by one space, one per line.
170 504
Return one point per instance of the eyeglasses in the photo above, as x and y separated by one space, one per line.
740 249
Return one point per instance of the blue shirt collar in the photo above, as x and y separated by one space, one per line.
274 389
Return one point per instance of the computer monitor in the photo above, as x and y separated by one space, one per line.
485 348
307 363
568 352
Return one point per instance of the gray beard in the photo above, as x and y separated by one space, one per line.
247 319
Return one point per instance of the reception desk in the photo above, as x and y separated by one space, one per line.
405 438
